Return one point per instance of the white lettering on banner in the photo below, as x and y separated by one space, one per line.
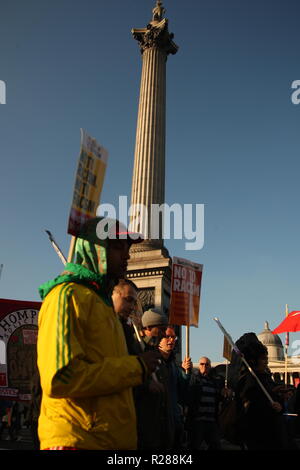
179 272
184 286
9 392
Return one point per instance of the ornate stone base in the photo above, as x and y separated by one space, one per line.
151 271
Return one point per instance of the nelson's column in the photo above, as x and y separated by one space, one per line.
150 265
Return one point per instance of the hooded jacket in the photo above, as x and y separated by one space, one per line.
86 372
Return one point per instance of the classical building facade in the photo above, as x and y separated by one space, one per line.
277 362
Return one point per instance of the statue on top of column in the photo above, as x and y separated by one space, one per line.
156 33
158 11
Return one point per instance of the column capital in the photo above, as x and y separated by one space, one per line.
156 35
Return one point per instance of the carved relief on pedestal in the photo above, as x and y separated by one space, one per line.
166 302
147 298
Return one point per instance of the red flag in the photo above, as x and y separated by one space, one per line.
290 323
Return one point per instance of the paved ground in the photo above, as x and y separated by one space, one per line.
24 441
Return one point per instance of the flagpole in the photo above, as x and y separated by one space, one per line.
226 374
286 350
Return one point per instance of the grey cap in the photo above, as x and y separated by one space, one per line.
154 317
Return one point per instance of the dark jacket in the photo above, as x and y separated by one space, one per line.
36 397
132 343
176 381
159 417
195 393
259 425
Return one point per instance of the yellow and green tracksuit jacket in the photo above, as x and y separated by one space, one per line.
86 372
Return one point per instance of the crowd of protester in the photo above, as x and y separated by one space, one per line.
108 375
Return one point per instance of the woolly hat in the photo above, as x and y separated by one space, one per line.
153 317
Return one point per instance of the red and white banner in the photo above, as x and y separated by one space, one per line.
18 337
185 292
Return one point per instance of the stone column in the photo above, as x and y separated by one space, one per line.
150 265
149 164
148 182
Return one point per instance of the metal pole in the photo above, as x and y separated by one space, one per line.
226 374
56 247
286 351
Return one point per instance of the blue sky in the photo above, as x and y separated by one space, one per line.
232 141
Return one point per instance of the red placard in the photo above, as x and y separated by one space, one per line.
185 293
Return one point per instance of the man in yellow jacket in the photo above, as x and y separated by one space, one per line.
86 372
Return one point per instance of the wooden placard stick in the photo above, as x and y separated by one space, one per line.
72 249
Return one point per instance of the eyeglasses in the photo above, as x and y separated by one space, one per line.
204 364
172 337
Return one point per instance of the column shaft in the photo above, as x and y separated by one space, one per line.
148 181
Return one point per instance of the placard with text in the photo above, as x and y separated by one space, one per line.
185 292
